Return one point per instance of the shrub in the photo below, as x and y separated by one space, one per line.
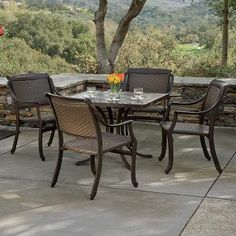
17 57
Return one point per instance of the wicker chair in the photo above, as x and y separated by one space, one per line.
204 128
152 80
80 120
28 91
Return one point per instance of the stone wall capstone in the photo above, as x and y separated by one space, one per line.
187 88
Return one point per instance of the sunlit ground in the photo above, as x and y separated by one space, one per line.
192 200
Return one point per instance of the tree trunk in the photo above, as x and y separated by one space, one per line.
99 18
106 62
225 34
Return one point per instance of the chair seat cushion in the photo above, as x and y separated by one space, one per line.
186 128
90 145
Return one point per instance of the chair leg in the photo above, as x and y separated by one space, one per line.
213 154
163 146
125 162
92 164
58 168
204 148
171 153
51 137
40 143
16 136
133 166
97 177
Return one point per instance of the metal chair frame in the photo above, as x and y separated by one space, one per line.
89 130
207 112
156 72
29 102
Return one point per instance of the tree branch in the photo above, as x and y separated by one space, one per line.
119 37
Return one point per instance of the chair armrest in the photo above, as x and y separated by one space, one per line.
197 112
129 126
24 102
177 112
187 103
116 125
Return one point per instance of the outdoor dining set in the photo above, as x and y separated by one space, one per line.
96 122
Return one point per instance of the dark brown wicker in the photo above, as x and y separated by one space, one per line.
28 91
80 120
152 80
210 103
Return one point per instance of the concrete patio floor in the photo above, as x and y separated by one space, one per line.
192 200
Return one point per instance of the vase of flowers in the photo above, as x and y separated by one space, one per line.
115 80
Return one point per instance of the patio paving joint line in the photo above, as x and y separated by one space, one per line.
102 186
148 191
27 180
19 147
205 196
220 198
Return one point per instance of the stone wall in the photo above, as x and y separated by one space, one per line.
186 88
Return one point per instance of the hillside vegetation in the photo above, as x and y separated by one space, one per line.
59 36
165 5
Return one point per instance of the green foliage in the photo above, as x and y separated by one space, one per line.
85 63
153 48
49 4
150 48
167 5
83 45
217 6
53 35
18 57
49 35
202 65
7 14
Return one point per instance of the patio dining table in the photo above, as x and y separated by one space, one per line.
123 102
120 106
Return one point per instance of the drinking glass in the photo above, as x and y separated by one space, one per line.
138 92
91 91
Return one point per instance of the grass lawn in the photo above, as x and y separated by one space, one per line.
189 49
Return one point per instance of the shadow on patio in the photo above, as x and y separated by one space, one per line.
191 200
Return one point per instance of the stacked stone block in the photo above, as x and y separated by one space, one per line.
187 91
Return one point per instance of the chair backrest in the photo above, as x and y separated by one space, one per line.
74 116
31 87
213 98
150 79
213 95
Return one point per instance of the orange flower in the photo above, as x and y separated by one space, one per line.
121 76
115 78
